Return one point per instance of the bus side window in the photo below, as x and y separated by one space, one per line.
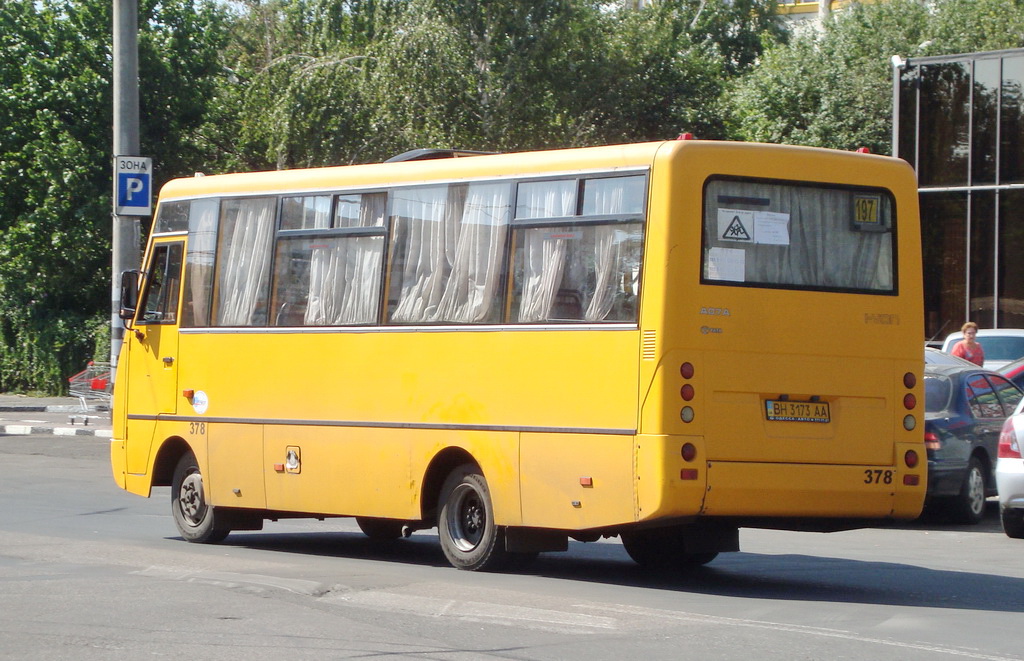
583 273
160 297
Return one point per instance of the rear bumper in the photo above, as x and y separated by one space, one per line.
945 480
1010 482
812 491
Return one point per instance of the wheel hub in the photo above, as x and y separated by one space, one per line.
191 499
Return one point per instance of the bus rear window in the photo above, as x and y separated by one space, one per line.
798 236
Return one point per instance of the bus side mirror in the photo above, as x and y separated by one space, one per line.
129 294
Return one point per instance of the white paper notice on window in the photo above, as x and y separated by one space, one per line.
727 264
736 225
771 227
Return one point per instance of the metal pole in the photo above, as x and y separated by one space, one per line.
125 237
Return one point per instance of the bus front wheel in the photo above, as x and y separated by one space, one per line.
193 515
469 538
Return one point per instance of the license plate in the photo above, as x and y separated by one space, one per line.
788 411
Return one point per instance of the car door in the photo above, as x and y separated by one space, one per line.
989 415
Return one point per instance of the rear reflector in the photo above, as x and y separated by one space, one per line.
911 480
688 474
688 452
1009 446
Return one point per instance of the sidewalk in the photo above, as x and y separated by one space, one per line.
59 416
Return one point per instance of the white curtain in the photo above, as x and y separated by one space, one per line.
607 196
306 213
544 251
323 267
477 261
345 271
244 262
421 267
202 245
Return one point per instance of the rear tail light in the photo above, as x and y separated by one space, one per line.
1009 446
909 401
931 441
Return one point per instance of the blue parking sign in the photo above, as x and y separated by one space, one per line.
132 183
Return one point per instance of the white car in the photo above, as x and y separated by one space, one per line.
1001 345
1010 474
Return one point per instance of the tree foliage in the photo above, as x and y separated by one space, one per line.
55 162
498 75
833 87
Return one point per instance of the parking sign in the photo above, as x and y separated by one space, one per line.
133 176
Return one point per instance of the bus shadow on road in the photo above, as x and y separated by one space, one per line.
789 577
795 577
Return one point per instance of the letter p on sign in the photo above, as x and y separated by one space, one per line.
133 177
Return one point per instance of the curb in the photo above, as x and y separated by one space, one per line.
53 408
28 430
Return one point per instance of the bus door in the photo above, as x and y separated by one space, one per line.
153 349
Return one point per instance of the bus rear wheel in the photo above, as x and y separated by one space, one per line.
193 515
662 548
469 538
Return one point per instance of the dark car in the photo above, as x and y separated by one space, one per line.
1014 372
965 407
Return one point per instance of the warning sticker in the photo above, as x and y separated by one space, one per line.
736 225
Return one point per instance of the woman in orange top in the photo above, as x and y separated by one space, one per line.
968 348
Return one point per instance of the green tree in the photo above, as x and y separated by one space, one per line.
497 75
833 87
296 71
55 162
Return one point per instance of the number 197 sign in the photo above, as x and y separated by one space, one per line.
133 177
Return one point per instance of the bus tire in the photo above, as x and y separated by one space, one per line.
969 504
660 548
381 530
193 515
469 538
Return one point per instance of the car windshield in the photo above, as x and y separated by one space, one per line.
1002 348
936 393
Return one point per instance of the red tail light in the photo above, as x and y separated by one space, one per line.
931 441
1009 446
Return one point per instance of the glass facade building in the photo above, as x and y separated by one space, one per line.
959 120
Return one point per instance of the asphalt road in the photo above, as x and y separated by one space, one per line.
90 572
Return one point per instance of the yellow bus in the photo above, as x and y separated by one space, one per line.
664 342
